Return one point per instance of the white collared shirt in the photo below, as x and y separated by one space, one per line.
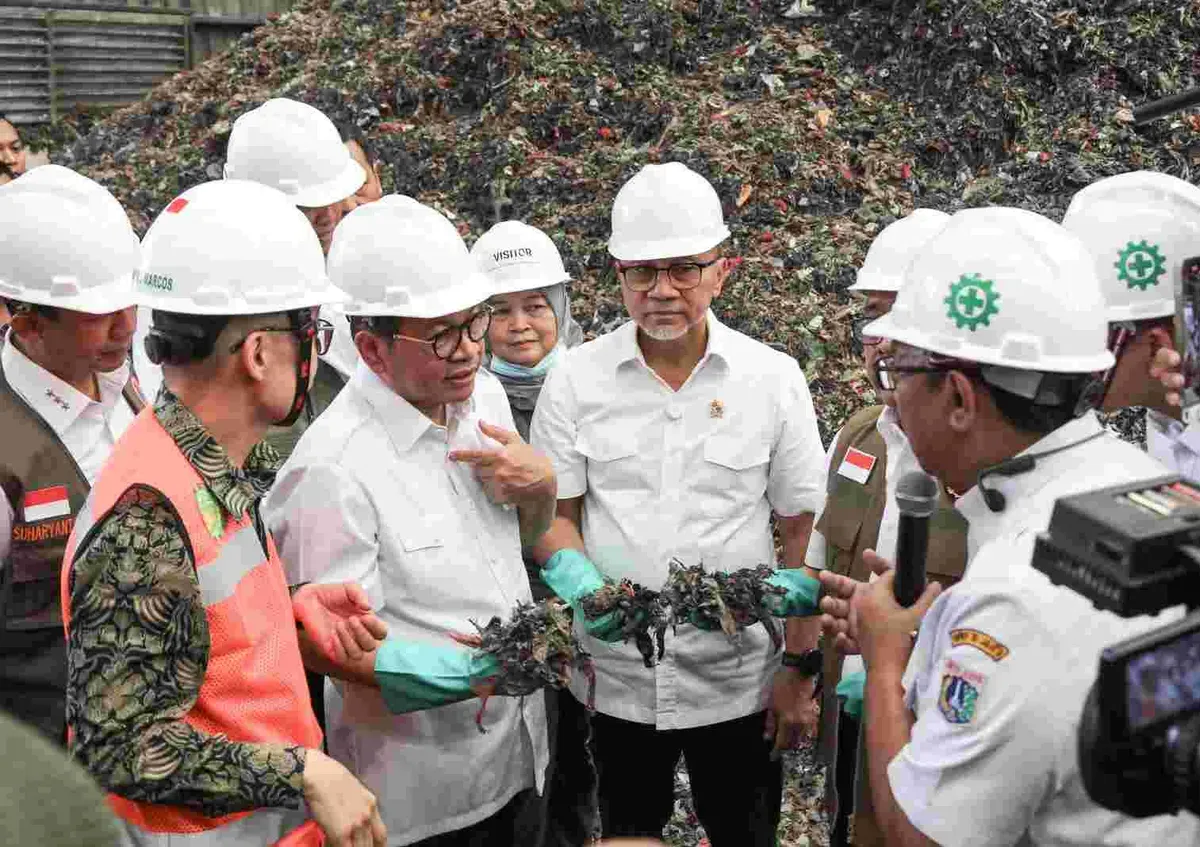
1002 667
1175 445
87 428
369 496
692 474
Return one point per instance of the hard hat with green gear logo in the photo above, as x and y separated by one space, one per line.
518 257
296 149
67 243
1003 287
894 247
232 247
1140 228
400 258
663 212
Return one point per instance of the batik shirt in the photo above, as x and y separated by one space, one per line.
139 645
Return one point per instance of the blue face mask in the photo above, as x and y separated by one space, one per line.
500 367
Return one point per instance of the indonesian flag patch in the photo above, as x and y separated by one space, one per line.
45 503
857 466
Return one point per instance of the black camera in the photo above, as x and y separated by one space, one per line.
1133 550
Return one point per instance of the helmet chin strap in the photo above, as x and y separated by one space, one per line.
305 364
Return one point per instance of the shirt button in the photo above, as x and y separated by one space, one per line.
674 412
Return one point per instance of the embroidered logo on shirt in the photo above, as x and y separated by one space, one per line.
210 510
981 641
960 693
63 404
716 409
857 466
46 503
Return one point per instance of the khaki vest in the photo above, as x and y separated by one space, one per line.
32 651
850 525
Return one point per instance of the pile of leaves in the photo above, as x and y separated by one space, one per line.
644 614
535 648
728 602
818 121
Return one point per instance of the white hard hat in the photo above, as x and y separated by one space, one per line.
894 247
1140 228
665 211
518 257
1004 287
67 243
293 147
232 247
400 258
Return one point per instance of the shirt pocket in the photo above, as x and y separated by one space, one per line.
733 475
613 465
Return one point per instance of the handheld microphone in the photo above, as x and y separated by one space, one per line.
917 497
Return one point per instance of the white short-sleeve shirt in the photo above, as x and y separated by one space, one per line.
692 474
370 496
87 428
1002 667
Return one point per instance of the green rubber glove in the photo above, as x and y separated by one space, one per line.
800 601
572 576
415 677
850 692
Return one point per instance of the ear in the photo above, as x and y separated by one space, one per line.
254 356
1159 337
964 398
26 324
373 350
724 267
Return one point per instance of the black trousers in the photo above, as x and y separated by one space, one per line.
570 807
736 787
512 825
847 765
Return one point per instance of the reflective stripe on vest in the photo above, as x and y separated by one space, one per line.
280 827
254 688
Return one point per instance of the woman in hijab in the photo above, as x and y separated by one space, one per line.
531 329
531 325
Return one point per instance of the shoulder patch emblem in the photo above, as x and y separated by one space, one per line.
210 510
981 641
857 465
959 694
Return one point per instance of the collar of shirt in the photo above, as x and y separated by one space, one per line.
404 423
628 352
236 489
1174 431
59 403
983 522
888 425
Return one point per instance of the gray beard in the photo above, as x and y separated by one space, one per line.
668 333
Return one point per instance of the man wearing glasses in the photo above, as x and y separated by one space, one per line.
864 464
677 437
186 696
971 731
414 484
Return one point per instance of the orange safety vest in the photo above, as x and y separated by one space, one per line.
254 689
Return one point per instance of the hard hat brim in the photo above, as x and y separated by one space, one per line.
318 293
888 327
631 250
335 190
504 283
875 282
472 291
97 300
1141 311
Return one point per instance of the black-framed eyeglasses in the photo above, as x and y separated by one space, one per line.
888 371
857 339
683 275
446 341
319 330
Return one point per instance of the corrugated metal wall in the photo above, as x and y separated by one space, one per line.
54 59
55 55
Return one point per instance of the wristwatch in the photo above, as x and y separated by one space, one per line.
808 663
